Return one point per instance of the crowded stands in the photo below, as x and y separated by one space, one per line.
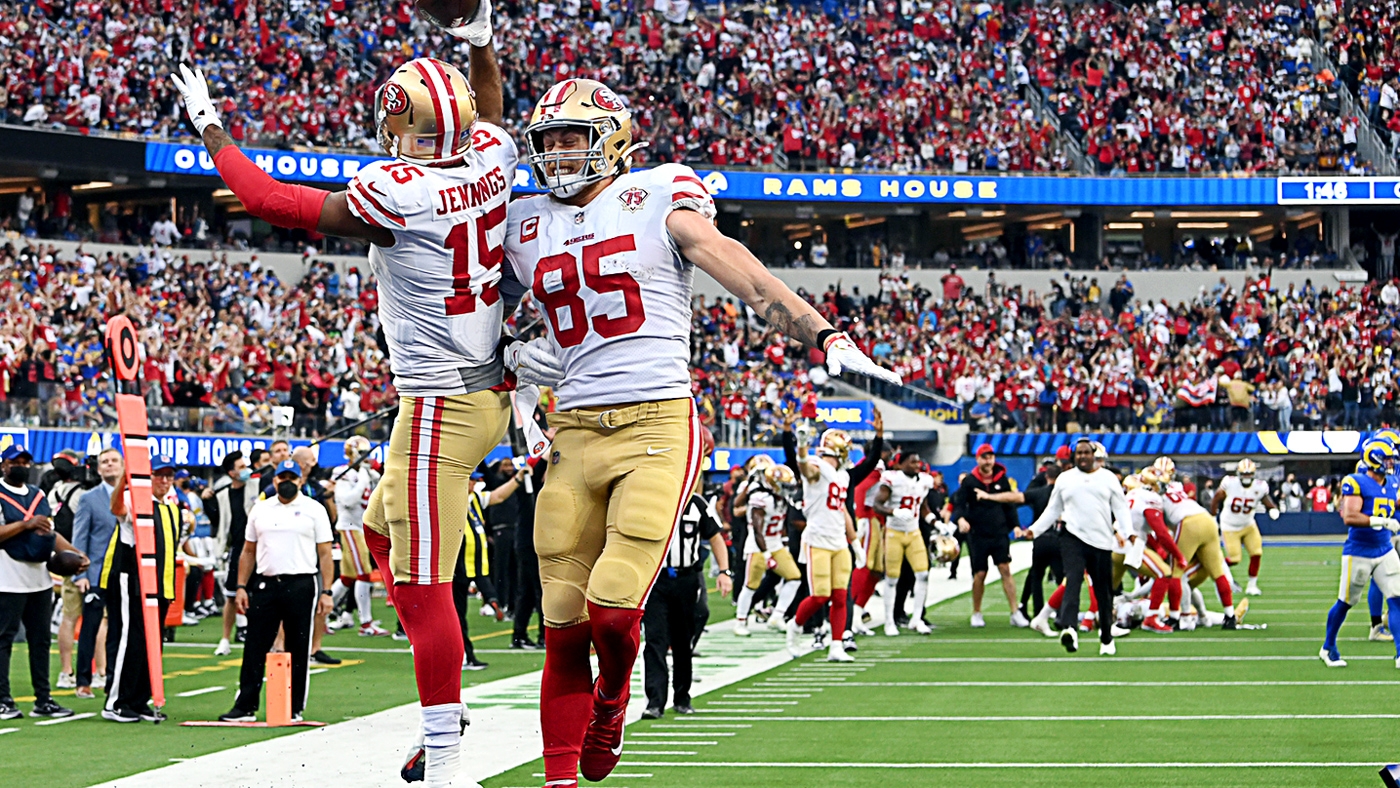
905 87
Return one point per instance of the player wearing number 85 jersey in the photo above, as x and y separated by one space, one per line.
826 539
609 256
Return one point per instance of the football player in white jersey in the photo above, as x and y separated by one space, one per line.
1198 536
1146 505
902 498
826 539
765 547
435 218
609 254
1239 496
353 483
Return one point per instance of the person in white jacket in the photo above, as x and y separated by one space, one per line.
1095 512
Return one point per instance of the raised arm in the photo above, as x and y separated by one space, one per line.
739 272
484 75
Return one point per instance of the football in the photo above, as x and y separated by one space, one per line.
446 13
66 563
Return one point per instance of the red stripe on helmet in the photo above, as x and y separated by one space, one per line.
437 108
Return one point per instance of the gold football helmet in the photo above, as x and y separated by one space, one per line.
1151 479
424 112
778 477
945 549
1131 482
356 446
585 105
1246 469
757 463
1165 468
835 443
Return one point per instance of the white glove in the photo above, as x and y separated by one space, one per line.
842 354
904 514
1388 523
1273 514
533 362
477 30
859 555
194 90
524 401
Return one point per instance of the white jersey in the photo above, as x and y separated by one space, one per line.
1177 505
1237 513
824 504
614 289
906 493
352 490
774 521
440 283
1140 499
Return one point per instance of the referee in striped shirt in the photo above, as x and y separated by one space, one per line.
669 619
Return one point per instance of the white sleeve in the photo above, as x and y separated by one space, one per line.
374 194
1122 514
684 190
323 525
250 530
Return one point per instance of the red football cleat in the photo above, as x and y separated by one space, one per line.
602 743
1154 624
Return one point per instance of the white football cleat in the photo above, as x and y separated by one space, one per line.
1381 633
1069 638
859 628
223 649
978 621
741 629
774 624
1019 620
371 629
793 633
1119 632
1042 625
921 627
1332 660
1108 649
1252 589
891 629
837 653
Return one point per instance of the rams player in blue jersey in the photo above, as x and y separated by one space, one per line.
1375 600
1368 511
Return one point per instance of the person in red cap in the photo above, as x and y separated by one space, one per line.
988 525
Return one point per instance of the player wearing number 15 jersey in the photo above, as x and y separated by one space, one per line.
609 256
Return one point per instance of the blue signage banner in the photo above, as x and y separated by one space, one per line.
166 157
1308 442
846 414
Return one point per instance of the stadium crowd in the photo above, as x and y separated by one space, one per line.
1166 86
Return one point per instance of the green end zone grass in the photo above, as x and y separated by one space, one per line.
377 674
776 729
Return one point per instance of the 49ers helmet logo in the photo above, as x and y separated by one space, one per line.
605 99
395 99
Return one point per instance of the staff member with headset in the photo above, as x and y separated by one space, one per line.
669 618
287 542
129 679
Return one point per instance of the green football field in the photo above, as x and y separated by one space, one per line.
963 707
999 706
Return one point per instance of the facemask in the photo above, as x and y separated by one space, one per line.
245 474
18 475
286 490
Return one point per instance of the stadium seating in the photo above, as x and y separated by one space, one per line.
1141 88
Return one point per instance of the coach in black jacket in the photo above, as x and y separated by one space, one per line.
988 526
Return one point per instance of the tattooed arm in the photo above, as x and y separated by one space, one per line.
739 272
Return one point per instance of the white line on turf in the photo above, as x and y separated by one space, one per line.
754 702
746 711
1072 661
1119 683
71 718
664 735
1085 718
4 731
1155 765
661 752
200 691
691 725
751 696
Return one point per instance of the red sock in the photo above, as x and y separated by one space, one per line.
858 577
838 612
206 586
379 549
1093 599
872 580
617 634
1222 587
1159 592
1174 594
1254 566
566 699
428 617
809 606
1056 597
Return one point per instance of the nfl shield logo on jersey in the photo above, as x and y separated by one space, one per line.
633 199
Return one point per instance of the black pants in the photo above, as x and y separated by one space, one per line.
94 609
33 610
669 623
289 602
527 581
461 593
1079 558
128 675
503 564
1045 558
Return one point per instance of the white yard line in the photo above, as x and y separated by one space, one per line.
70 718
1081 718
1117 683
1022 765
4 731
1067 660
201 691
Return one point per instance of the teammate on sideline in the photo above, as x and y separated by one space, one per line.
826 540
766 546
435 219
1234 503
902 499
354 482
1368 510
609 255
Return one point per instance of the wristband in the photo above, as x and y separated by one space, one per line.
330 594
729 573
824 335
241 587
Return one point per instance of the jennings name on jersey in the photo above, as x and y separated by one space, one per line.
614 288
440 283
